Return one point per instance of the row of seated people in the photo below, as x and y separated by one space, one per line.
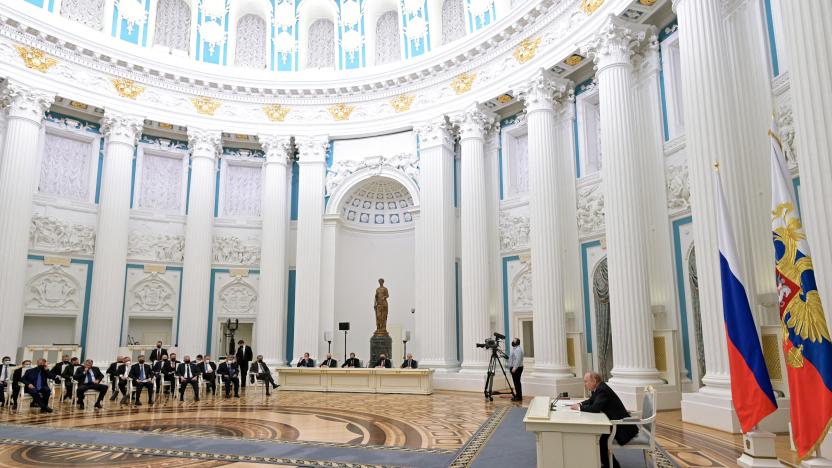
381 363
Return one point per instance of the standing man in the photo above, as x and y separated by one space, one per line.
329 362
142 375
5 375
156 354
515 365
409 362
37 385
89 377
244 357
208 369
188 374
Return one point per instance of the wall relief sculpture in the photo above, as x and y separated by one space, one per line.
231 250
407 163
514 232
152 294
238 298
678 188
54 289
159 247
50 234
521 288
590 210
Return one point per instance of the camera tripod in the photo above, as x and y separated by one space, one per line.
496 360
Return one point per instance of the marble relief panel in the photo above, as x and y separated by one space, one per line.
235 295
152 292
514 229
55 289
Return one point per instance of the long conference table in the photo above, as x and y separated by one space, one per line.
356 380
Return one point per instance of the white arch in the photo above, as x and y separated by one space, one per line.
308 12
237 10
373 9
337 199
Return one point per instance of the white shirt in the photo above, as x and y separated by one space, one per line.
208 369
126 370
515 359
4 373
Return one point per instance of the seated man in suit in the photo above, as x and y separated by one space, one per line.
603 399
230 373
188 374
165 370
306 361
142 375
383 362
158 352
122 376
36 381
89 377
112 375
17 378
260 371
67 375
58 368
352 361
208 369
409 362
329 362
5 376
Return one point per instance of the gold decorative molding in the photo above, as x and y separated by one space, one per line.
155 268
573 60
463 82
660 353
402 102
504 98
276 112
35 59
589 6
205 105
647 2
526 50
78 105
127 88
341 111
166 126
771 355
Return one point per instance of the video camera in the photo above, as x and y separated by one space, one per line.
492 343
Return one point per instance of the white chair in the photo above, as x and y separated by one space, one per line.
75 393
253 381
645 420
131 389
22 396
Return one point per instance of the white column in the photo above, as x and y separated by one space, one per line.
19 171
272 298
435 230
474 123
547 97
110 259
329 241
312 161
806 25
626 220
199 238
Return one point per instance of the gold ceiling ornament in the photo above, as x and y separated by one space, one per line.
127 88
589 6
402 102
78 105
205 105
166 126
573 60
463 82
504 98
341 111
647 2
35 59
276 112
526 49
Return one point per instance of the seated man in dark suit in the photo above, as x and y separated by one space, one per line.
67 375
36 381
208 370
260 371
352 361
306 361
112 374
329 362
142 375
89 377
409 362
5 376
17 378
604 400
230 373
58 368
188 374
383 362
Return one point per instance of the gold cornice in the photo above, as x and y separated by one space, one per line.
526 50
463 82
589 6
35 59
127 88
205 105
276 112
402 102
573 60
504 98
341 111
647 2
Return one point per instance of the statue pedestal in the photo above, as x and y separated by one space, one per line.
378 345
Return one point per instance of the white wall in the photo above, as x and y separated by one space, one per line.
48 330
149 330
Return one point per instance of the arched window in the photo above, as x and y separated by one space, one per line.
453 20
387 38
321 50
173 25
603 330
251 42
88 12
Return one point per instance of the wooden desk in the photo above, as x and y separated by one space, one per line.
358 380
565 438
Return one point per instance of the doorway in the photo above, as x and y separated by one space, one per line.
244 332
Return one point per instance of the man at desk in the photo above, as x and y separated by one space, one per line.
329 362
383 362
306 361
409 362
352 361
603 399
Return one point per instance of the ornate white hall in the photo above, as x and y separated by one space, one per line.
537 168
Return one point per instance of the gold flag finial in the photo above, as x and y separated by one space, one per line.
716 166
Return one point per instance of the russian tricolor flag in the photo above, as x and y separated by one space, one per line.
751 389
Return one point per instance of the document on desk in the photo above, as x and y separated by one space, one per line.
566 405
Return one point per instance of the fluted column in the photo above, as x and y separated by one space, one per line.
435 298
474 123
110 259
196 274
627 252
545 97
806 25
312 161
272 297
19 170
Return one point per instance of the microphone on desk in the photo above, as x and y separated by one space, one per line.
557 398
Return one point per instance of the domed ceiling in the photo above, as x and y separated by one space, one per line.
378 202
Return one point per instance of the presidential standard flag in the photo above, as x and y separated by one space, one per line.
751 389
806 343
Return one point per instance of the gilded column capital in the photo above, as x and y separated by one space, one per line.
204 143
312 149
121 128
616 42
474 122
25 102
545 91
276 147
436 132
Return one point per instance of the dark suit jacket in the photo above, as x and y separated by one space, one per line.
306 363
180 369
225 370
135 373
69 372
119 371
80 375
386 363
31 376
17 377
244 354
156 354
203 366
410 364
329 363
58 367
255 368
604 400
112 371
352 362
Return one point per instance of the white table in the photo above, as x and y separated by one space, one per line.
359 380
565 438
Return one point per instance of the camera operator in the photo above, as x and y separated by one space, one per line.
515 365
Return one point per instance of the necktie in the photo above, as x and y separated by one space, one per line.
141 372
89 376
187 371
39 382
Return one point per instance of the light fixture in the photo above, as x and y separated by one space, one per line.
133 12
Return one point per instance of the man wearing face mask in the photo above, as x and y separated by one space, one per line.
58 368
515 365
17 378
67 375
122 377
383 362
89 377
261 371
112 375
188 374
208 370
36 381
142 375
243 356
230 373
5 376
158 352
352 361
157 371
